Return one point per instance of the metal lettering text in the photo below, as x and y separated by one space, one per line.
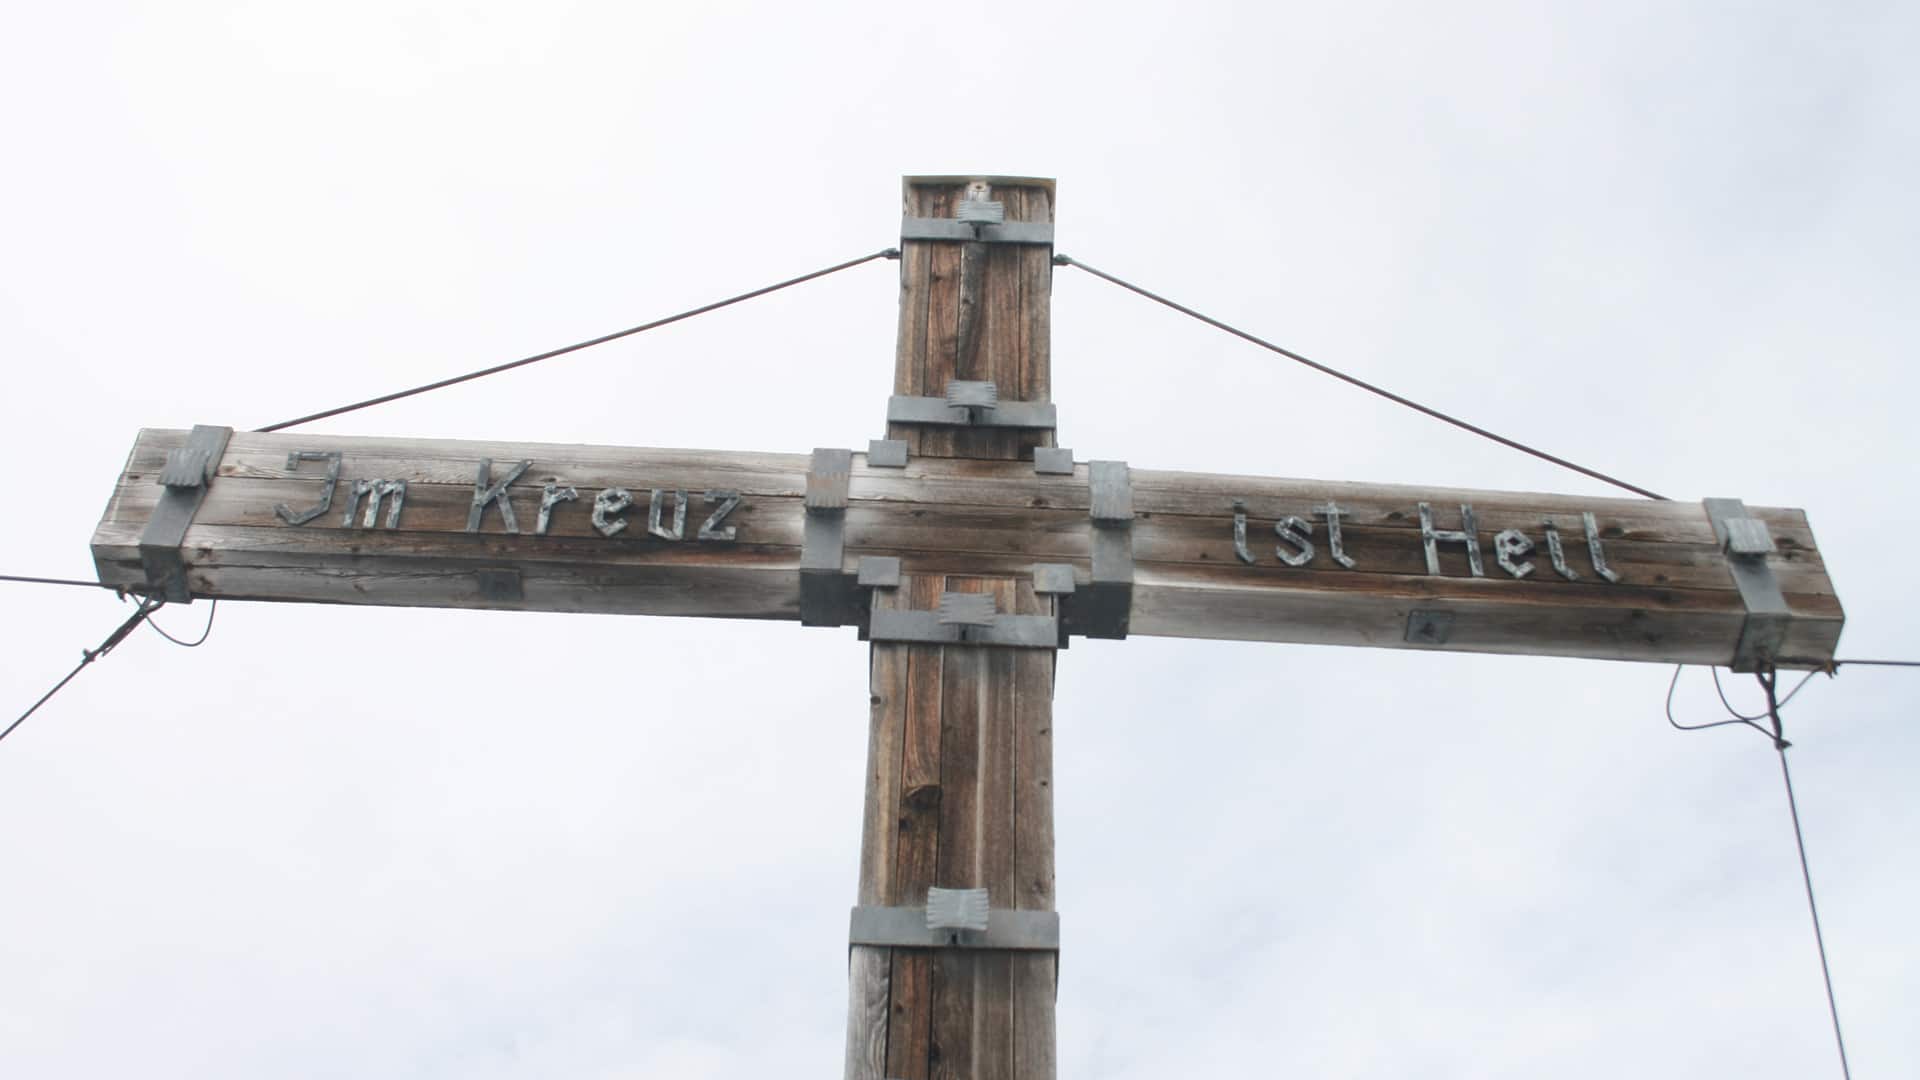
1332 514
1557 554
608 503
1510 545
486 491
1467 534
551 496
1240 533
679 530
332 458
710 529
1595 551
373 491
1294 531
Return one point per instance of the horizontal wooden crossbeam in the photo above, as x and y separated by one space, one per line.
721 534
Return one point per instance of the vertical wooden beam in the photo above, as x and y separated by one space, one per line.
1005 316
960 759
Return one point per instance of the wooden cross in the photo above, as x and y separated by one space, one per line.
968 547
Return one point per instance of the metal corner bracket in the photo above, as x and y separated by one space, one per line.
189 471
1746 544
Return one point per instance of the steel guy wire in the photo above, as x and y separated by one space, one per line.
1351 380
885 253
87 656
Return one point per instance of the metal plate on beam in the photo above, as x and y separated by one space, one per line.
886 453
879 571
827 478
166 530
1053 579
500 586
1112 485
1768 616
1053 461
966 609
1429 627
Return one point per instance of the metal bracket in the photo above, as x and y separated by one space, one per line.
1053 579
968 411
886 453
878 572
957 909
1746 542
827 594
980 211
1053 461
188 472
1429 627
964 619
970 231
500 586
1104 608
948 922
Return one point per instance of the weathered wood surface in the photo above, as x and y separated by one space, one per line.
959 795
994 330
959 788
1675 601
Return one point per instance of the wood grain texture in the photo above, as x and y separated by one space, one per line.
964 808
974 311
869 982
1675 601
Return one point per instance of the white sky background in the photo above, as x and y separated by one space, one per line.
1678 246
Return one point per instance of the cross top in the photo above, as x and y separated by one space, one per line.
967 546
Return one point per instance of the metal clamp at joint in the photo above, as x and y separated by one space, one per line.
1745 541
188 471
1105 607
827 595
964 619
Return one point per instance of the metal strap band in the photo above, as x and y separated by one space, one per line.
1743 540
827 593
1007 232
188 471
1105 608
906 927
926 628
1040 415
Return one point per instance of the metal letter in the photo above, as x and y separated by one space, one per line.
1240 533
1294 531
607 503
1332 514
1594 550
332 458
1558 554
1511 544
551 496
1468 534
486 491
679 530
710 529
373 491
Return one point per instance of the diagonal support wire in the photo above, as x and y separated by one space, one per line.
1351 380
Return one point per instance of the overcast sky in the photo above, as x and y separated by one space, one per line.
1675 242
